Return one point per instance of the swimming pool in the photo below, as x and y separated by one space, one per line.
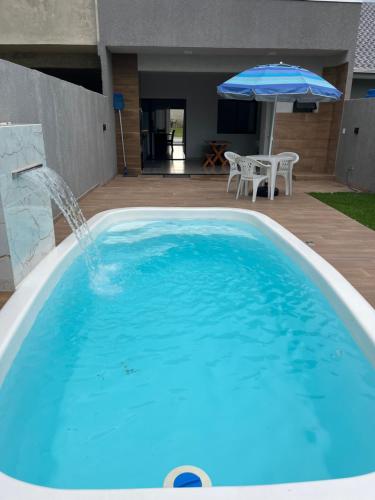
210 337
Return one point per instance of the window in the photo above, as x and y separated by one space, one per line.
236 117
304 107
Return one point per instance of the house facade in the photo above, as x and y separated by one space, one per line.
170 54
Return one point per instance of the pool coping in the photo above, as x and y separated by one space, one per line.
358 315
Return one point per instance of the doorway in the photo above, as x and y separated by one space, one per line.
163 131
176 125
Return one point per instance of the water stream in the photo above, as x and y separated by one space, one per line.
65 200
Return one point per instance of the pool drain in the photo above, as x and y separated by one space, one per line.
187 476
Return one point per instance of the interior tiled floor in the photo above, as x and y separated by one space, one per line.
346 244
176 164
177 152
181 167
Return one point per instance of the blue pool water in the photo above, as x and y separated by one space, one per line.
196 343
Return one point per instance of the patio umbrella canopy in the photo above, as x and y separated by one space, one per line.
278 82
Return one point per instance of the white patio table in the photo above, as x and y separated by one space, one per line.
272 162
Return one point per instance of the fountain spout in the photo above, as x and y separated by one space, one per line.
26 168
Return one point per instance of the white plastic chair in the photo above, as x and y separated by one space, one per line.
249 168
233 167
285 169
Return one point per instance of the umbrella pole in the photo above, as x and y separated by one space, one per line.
272 126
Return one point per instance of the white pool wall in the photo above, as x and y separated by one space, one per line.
18 315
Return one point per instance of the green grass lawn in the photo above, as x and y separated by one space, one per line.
358 206
178 132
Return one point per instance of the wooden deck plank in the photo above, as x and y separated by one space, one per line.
4 296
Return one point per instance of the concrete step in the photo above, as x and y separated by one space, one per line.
313 176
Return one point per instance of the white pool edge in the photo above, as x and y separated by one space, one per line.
22 308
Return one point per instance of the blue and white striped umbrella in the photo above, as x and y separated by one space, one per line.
278 82
281 81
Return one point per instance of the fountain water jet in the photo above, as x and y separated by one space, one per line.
60 192
27 188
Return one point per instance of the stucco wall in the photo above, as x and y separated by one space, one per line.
223 24
199 90
72 119
55 22
355 163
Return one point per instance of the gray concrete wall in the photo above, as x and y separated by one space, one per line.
204 63
199 90
355 163
52 22
223 24
72 119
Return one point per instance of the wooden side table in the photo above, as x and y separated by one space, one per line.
209 161
218 149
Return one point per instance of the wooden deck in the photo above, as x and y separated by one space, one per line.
346 244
